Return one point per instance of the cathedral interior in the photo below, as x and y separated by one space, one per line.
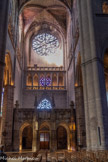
54 76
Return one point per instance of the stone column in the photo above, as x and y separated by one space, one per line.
80 117
96 113
3 35
7 118
53 140
57 79
35 131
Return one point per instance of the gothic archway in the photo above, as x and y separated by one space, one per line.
35 80
27 136
44 136
29 80
61 81
54 80
61 138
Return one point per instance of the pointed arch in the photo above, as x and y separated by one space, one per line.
67 133
35 80
44 104
29 80
61 80
26 131
54 80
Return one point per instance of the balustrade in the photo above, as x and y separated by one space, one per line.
49 80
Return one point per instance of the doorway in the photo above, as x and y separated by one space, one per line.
44 140
27 136
61 138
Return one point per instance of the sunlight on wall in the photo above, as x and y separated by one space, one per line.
52 60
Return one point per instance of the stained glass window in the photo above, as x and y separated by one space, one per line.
45 44
45 81
2 101
44 104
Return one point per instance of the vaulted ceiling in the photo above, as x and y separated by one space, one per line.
50 14
35 10
54 14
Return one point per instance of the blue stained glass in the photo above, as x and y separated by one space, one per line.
44 104
45 82
2 101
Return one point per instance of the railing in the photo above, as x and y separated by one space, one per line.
35 68
46 88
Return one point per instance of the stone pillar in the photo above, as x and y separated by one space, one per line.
57 79
34 143
38 140
72 135
80 117
53 140
3 35
7 118
96 112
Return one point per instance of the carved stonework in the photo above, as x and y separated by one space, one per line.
48 121
11 31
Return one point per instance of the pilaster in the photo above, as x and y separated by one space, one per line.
94 103
80 117
3 35
7 118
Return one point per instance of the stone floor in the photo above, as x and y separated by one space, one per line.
61 156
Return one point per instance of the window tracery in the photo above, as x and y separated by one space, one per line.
2 99
44 104
45 44
45 81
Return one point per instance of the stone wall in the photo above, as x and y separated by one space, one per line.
7 119
21 117
52 119
60 98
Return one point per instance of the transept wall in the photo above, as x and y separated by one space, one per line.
82 27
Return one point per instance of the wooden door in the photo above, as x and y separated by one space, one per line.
44 140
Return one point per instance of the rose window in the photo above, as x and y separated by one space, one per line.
45 44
